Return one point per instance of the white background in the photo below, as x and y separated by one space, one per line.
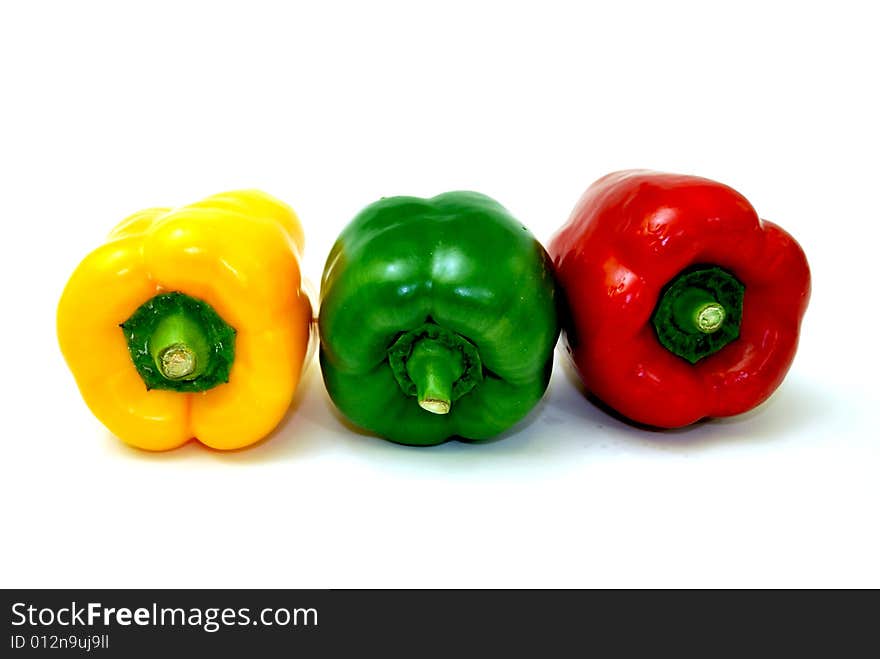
106 108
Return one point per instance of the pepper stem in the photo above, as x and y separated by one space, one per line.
435 365
699 312
179 343
697 309
179 348
177 361
434 369
710 318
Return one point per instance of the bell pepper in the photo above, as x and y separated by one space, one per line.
190 322
438 319
681 303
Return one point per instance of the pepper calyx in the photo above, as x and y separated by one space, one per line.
179 343
699 312
435 365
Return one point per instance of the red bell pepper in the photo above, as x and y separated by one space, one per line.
682 303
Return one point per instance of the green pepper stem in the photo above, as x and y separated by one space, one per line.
434 369
179 348
435 365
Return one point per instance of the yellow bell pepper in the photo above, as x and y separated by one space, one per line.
191 323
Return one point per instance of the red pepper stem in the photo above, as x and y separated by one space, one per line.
696 309
699 312
434 369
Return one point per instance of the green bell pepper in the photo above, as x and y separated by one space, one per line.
438 319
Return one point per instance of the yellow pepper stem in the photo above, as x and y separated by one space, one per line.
179 343
179 348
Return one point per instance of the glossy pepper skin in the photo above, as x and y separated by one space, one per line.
630 238
438 319
223 273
